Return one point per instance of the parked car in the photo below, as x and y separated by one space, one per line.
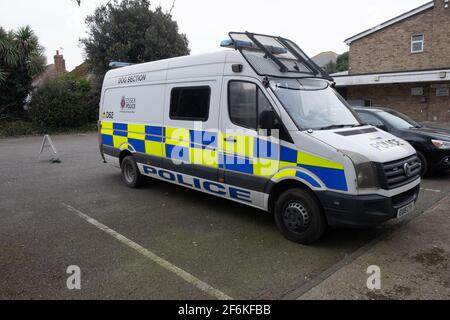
432 144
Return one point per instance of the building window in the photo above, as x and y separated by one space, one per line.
417 41
417 91
190 104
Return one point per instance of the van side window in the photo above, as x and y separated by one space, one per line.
190 103
247 104
242 103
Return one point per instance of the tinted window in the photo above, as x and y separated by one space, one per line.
243 103
405 117
247 103
396 121
190 103
370 119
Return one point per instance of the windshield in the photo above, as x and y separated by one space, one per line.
312 104
398 120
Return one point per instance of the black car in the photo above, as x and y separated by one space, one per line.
432 145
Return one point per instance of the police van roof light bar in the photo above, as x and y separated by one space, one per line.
119 64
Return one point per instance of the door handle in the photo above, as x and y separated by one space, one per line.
230 140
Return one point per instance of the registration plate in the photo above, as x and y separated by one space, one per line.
404 211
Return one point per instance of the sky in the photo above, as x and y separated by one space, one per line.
315 25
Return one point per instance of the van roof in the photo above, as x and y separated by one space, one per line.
268 56
178 62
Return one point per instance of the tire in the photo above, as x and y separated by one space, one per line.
299 216
130 173
423 161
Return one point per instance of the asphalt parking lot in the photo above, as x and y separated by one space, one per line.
234 249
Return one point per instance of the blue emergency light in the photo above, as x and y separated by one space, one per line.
119 64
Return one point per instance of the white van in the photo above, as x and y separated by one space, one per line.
259 124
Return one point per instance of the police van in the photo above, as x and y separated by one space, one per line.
258 123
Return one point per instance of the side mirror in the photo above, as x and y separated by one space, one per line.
268 121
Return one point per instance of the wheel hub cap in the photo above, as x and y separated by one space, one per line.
296 217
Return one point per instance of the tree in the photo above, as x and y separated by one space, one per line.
342 62
130 31
330 67
21 59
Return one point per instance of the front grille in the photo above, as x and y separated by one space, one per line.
405 198
393 174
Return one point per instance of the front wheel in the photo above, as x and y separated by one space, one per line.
299 216
423 161
130 173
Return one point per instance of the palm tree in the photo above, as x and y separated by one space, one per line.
21 59
4 46
20 47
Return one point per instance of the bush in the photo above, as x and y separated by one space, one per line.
64 103
14 128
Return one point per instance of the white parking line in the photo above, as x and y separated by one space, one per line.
431 190
150 255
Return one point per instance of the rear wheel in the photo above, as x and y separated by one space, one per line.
130 173
299 216
424 163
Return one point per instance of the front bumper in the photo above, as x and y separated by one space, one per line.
363 211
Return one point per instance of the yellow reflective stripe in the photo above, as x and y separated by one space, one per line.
120 142
178 137
137 136
107 131
154 148
284 174
284 164
310 160
107 125
204 157
265 167
136 128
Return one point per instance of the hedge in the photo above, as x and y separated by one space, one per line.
64 103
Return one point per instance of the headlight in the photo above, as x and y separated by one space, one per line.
366 172
440 144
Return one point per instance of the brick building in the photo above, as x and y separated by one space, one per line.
404 63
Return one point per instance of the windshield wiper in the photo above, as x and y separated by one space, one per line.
337 126
359 125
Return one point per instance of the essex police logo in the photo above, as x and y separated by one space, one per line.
128 105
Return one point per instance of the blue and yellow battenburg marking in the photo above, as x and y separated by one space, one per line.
235 152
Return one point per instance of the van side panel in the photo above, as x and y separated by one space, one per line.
132 119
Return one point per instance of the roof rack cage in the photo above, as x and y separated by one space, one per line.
289 59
